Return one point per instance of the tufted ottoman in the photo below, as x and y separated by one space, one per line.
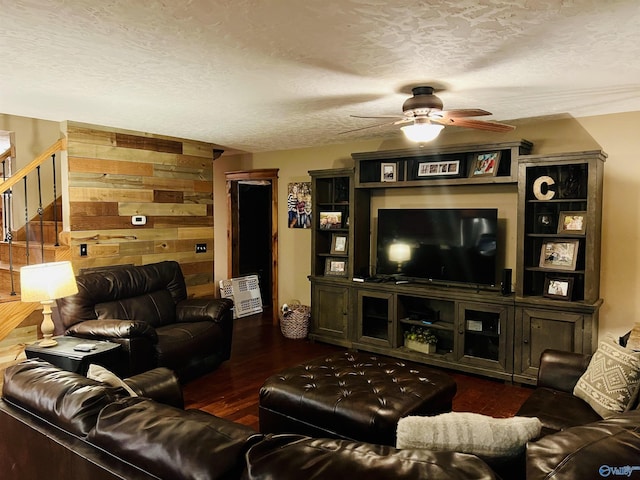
354 396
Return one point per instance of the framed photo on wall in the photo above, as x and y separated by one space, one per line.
335 267
339 243
559 254
485 164
559 288
572 222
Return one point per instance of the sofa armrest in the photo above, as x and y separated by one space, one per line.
204 309
113 329
159 384
560 370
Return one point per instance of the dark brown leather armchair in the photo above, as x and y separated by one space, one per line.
146 309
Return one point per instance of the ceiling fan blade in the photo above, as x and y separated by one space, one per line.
378 116
478 124
463 112
378 125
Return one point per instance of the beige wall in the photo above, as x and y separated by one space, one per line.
612 133
31 137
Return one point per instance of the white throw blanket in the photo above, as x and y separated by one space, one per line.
468 433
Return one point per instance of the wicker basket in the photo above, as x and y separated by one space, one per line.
294 320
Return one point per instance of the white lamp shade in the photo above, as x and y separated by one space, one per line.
399 252
47 281
422 132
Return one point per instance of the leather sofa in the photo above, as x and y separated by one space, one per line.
576 442
63 426
146 310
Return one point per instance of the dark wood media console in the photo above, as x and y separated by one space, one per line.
481 331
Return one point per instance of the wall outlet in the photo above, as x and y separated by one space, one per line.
201 248
83 249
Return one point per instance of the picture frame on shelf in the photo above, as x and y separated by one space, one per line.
388 172
572 223
437 169
335 267
330 220
339 243
559 288
561 254
485 164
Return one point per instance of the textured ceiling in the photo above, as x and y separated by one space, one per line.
261 75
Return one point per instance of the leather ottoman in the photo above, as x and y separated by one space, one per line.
354 396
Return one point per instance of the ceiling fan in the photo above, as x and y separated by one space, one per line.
427 118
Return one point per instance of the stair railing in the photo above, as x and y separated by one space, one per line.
10 180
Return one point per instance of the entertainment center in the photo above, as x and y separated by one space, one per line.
392 261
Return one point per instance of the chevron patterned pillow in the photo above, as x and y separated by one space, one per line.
611 380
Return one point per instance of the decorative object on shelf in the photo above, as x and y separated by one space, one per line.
546 223
330 220
339 243
559 288
341 190
44 283
388 172
485 164
572 222
559 254
541 188
432 169
571 186
299 205
336 267
420 339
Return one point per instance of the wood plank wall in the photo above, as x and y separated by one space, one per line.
114 174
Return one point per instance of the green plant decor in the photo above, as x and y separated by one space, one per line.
421 335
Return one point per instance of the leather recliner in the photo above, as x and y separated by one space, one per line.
146 310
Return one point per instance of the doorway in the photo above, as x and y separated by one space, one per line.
252 232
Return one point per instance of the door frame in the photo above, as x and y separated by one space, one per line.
232 179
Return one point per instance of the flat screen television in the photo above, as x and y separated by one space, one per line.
439 245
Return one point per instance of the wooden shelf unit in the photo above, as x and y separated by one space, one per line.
480 332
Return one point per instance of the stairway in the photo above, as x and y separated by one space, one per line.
22 252
19 321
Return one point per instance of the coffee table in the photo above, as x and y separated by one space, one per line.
63 355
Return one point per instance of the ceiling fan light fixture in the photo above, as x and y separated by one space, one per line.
422 132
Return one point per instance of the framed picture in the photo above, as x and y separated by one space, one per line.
336 267
434 169
299 205
559 288
559 254
330 220
388 172
339 243
572 222
485 164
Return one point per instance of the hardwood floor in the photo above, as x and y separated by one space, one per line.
259 350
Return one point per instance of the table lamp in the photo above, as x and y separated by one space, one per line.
44 282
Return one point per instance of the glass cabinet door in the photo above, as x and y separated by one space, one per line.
375 314
483 333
